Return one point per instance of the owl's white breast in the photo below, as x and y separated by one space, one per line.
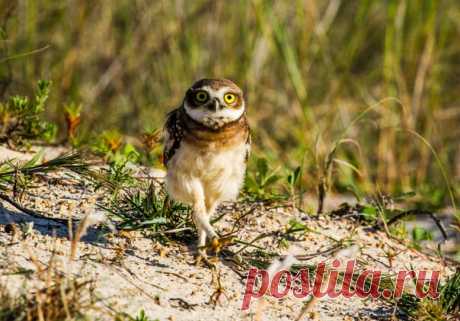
219 173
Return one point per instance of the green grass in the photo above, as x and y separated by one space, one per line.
146 206
446 307
141 316
141 204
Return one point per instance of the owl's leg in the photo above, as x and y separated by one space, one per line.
205 230
216 243
199 217
201 252
206 224
201 238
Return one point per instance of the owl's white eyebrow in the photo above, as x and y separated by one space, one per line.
217 93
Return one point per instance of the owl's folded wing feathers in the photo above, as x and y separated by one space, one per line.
174 133
248 143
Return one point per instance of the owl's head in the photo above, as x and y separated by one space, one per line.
214 102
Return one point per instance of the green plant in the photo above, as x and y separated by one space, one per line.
116 177
293 228
72 114
450 294
143 317
21 119
444 308
153 150
11 172
420 234
260 182
150 209
110 145
399 231
294 185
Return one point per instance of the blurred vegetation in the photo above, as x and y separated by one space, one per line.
338 91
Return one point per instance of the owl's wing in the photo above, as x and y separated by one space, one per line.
248 143
174 133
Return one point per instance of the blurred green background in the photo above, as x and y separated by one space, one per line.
364 76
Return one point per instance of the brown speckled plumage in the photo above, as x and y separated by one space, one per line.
181 127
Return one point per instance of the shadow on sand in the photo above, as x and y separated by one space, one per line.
45 226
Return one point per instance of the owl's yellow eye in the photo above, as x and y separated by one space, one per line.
229 98
201 96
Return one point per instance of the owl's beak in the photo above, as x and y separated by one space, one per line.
214 105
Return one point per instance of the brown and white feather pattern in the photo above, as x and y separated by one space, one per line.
173 135
180 127
207 143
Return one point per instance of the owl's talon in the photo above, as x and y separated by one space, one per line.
215 298
217 244
203 258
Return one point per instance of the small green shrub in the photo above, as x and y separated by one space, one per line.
260 183
446 307
21 119
150 209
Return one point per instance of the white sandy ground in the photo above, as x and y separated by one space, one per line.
133 273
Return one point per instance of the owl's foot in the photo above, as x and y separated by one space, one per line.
217 244
202 258
216 297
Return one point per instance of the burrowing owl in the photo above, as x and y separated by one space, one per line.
207 143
